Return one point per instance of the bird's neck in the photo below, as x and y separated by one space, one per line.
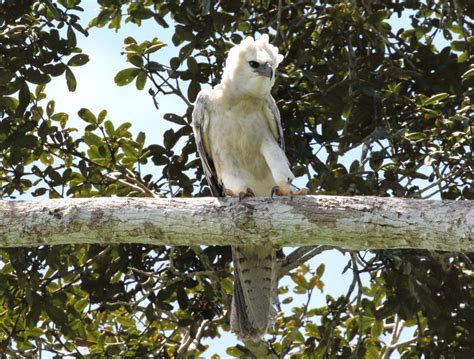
233 92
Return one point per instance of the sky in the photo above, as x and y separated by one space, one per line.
96 91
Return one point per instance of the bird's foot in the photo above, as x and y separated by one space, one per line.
301 192
276 190
244 194
279 191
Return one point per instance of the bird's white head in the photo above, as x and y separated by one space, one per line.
250 67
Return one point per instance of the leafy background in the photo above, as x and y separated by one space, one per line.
368 109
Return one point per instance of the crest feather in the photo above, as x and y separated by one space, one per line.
249 44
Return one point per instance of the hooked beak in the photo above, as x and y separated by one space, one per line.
265 70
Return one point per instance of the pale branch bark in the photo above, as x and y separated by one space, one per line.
353 223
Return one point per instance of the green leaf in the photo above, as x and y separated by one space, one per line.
123 128
226 283
416 136
34 332
154 66
136 60
141 138
54 176
5 76
24 96
53 9
436 98
78 60
93 153
87 115
129 40
170 138
39 192
141 80
377 328
193 66
234 352
35 76
70 80
193 90
61 117
154 47
133 49
159 19
175 119
126 322
9 103
109 128
91 139
372 352
458 45
174 63
413 174
50 108
129 150
71 37
320 270
46 159
101 116
141 13
28 141
56 314
468 74
126 76
312 330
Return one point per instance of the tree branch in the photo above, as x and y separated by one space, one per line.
352 223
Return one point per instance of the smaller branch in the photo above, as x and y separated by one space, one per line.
300 256
131 181
445 179
286 349
358 281
279 36
190 339
392 347
213 274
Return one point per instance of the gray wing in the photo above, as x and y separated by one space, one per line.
200 124
274 121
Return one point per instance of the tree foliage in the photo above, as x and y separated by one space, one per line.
355 83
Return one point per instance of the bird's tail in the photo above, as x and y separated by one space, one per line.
255 284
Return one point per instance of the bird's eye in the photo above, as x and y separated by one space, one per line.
254 64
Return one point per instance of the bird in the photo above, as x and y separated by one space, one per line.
239 139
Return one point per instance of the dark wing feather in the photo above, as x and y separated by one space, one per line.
200 123
275 113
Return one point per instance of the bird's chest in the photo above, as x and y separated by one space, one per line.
239 129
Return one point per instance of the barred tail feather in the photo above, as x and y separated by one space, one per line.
252 309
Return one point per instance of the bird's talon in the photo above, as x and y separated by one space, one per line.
248 193
275 190
302 192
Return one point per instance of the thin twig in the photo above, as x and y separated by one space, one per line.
189 338
300 256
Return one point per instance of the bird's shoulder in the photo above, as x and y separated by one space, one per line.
203 98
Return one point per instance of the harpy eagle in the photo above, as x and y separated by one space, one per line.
239 139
